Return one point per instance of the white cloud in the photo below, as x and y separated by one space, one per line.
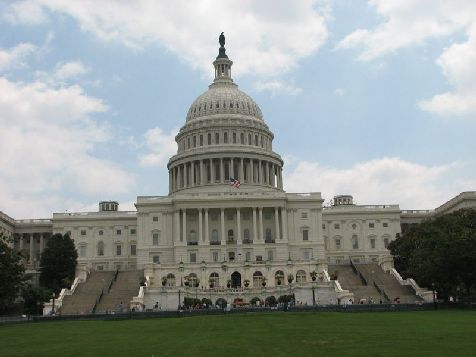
47 146
161 146
15 56
70 70
25 12
407 23
458 65
381 181
277 86
264 37
339 92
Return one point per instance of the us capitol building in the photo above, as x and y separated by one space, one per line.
227 229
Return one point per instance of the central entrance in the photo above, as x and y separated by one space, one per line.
236 280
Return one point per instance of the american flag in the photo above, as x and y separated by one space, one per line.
235 182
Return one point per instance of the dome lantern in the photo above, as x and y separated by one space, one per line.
222 64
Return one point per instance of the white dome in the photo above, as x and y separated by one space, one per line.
223 98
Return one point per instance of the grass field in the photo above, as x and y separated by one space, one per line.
425 333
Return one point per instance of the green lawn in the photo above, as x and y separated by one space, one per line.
425 333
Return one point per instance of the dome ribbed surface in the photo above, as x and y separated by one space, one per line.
223 98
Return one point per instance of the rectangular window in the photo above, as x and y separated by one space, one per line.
371 225
209 139
234 138
385 224
336 226
217 138
155 238
323 226
372 243
118 249
385 243
155 219
306 255
156 259
304 215
133 249
231 256
133 231
259 258
338 244
270 255
82 251
248 256
201 140
229 216
305 234
193 257
118 232
83 233
267 216
215 256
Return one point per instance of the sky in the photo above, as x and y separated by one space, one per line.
371 98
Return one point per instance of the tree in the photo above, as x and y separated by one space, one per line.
34 299
58 263
440 251
11 273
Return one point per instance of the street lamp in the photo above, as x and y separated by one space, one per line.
53 307
181 268
434 296
313 293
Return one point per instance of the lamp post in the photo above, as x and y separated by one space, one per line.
313 293
53 307
434 296
181 268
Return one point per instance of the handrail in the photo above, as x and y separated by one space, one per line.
98 299
356 271
381 291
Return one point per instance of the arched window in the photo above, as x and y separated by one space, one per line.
100 248
249 139
257 279
214 279
192 279
225 138
234 138
217 138
279 277
301 276
355 242
170 279
214 235
256 140
209 138
230 236
242 138
201 140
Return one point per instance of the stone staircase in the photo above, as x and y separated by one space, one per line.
387 282
123 289
352 282
86 293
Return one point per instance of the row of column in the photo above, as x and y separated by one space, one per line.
203 224
22 237
201 172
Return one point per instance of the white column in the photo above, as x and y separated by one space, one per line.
242 173
222 227
21 242
177 226
170 180
267 172
207 236
173 179
273 177
276 220
184 227
42 242
212 171
261 223
255 230
202 180
200 226
192 173
284 221
280 178
232 171
260 173
32 242
252 179
238 225
222 171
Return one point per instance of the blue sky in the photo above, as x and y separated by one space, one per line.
376 99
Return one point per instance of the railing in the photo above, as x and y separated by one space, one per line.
192 243
247 241
113 279
356 271
269 241
98 299
381 291
425 294
215 243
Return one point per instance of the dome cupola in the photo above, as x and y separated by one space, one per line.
224 139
